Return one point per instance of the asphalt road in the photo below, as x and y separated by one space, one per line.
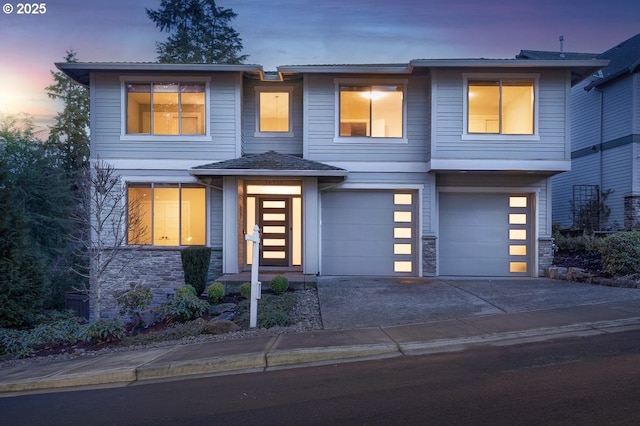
586 381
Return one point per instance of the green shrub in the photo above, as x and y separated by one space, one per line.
215 292
245 290
183 307
133 300
104 330
621 253
186 290
195 264
279 284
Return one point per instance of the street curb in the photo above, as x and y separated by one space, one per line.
220 364
332 353
103 377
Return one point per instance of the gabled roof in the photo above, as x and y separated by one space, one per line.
546 55
624 58
269 163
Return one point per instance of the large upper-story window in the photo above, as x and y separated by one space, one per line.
371 111
501 106
166 108
273 116
166 214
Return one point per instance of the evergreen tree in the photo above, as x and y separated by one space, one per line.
69 134
199 32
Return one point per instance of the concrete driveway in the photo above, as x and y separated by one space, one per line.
361 302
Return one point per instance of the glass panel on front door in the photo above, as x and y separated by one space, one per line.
273 220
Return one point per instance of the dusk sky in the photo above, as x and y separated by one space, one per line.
294 32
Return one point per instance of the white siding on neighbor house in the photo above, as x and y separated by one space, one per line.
320 123
616 165
584 171
448 120
585 117
284 144
224 126
617 109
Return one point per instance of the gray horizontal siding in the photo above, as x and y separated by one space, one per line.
321 124
285 145
617 164
585 117
584 171
449 121
107 122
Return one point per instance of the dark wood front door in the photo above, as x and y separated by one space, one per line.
274 223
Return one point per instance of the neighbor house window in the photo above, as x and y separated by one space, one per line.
166 214
166 108
501 106
371 111
273 111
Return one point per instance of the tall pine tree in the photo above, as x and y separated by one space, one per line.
199 32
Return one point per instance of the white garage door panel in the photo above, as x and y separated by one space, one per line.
357 233
474 234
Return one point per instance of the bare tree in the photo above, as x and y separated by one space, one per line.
110 220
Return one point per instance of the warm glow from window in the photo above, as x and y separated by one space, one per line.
401 232
402 217
402 266
517 201
402 249
517 234
166 108
274 189
274 111
517 266
371 111
501 107
166 215
517 250
517 219
402 199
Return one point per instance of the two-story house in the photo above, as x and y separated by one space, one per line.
425 168
602 190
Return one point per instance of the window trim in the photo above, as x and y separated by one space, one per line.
499 136
368 139
124 79
273 89
179 183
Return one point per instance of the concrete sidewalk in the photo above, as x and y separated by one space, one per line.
514 325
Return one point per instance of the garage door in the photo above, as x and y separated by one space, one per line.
369 233
484 234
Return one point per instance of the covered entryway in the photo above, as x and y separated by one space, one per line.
367 232
485 234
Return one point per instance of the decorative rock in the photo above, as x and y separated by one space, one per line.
220 327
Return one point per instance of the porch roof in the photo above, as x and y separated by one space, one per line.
269 163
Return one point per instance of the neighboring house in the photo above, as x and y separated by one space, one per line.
602 190
426 168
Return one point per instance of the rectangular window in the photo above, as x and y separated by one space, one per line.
273 112
166 108
371 111
166 214
501 106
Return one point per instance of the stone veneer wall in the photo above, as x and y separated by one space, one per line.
429 256
546 252
160 269
632 212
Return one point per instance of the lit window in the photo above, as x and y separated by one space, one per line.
501 107
517 201
166 108
273 111
371 111
166 215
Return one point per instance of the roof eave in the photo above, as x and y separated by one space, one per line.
348 69
268 172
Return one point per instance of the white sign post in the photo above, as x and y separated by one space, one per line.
256 286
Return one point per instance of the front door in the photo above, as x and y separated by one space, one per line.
274 223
